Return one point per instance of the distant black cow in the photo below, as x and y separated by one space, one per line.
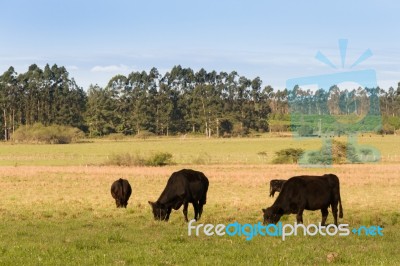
121 191
183 187
275 186
306 193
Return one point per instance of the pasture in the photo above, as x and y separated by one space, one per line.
244 151
56 207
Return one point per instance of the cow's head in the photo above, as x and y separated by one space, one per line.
272 214
160 212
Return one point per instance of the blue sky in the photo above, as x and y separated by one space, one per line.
96 40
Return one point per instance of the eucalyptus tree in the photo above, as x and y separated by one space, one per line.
260 105
120 91
166 103
10 100
182 82
205 99
101 114
139 116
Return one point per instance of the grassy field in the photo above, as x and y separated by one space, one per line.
65 215
185 151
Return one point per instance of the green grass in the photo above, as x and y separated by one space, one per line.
125 237
65 215
185 151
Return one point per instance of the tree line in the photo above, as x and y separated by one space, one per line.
180 101
48 96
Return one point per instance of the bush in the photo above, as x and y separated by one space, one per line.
287 156
239 130
53 134
339 153
116 136
202 158
144 134
305 131
159 159
127 159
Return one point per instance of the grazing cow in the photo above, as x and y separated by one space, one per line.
121 191
275 186
183 187
306 193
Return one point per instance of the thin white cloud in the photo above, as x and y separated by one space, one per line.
110 68
72 67
394 73
21 58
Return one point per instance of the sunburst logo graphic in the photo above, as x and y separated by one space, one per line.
348 93
343 50
333 110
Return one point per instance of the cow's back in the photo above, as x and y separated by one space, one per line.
185 184
310 192
198 183
332 179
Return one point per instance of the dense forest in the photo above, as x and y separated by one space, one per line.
179 102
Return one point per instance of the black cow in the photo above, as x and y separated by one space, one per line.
183 187
275 185
306 193
121 191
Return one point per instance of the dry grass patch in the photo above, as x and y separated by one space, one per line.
363 187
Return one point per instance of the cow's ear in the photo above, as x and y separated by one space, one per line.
264 210
151 203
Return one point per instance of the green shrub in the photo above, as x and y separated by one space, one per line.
54 134
159 159
202 158
116 136
144 134
239 130
127 159
305 131
338 152
287 156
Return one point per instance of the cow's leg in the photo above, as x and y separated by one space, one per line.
126 201
200 210
168 213
324 212
196 210
185 210
299 216
334 212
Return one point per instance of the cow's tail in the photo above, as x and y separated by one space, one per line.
340 208
122 195
203 199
